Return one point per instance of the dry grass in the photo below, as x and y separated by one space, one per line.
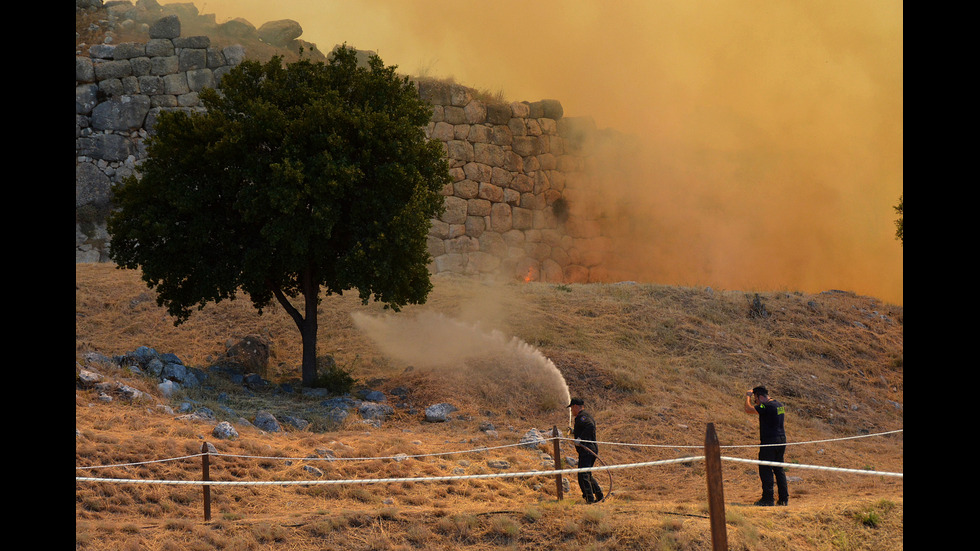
655 362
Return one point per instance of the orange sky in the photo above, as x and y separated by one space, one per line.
771 132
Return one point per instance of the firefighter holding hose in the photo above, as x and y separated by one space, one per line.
588 450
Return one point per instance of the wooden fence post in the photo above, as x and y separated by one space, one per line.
716 492
558 486
205 476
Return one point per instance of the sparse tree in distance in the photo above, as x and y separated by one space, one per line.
296 178
899 233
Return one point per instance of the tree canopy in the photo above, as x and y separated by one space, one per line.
294 178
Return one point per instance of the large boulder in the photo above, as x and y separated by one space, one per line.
280 33
267 422
238 28
532 439
165 27
251 353
124 113
439 413
92 186
375 411
225 431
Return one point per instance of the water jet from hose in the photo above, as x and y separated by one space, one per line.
435 342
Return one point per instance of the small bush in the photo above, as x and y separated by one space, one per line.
869 518
505 527
388 513
532 514
872 516
332 377
267 532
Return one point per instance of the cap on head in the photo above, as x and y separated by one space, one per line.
576 402
760 391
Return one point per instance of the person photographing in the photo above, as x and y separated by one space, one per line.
771 434
588 451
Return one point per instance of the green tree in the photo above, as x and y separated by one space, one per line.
899 229
295 179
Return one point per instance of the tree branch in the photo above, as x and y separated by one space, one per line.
284 301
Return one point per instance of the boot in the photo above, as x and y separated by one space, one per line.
767 498
598 495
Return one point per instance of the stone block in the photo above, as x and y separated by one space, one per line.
192 58
113 69
199 79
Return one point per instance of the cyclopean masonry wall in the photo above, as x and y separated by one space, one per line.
119 90
519 169
516 168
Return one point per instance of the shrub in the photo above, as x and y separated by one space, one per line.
332 377
505 527
869 518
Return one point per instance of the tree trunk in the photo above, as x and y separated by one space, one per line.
307 324
311 293
309 351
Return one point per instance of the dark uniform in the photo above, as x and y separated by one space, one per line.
588 452
771 415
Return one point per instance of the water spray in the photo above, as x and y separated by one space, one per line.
438 342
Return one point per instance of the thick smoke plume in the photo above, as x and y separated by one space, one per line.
769 134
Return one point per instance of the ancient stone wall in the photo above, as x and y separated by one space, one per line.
514 167
119 90
518 168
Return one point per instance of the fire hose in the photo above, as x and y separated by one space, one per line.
608 472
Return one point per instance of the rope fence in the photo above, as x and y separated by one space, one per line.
699 446
401 479
485 449
519 474
282 458
711 457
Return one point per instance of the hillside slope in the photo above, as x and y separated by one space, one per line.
655 364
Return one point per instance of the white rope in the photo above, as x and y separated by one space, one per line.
699 446
142 462
817 441
477 476
474 450
285 458
385 480
815 467
400 456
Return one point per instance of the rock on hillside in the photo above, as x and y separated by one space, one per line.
130 377
117 21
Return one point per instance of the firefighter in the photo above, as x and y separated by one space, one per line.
587 448
771 415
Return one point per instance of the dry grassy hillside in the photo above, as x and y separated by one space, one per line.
655 363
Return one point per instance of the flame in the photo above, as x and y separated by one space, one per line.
530 275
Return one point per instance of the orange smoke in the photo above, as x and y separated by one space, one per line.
769 135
